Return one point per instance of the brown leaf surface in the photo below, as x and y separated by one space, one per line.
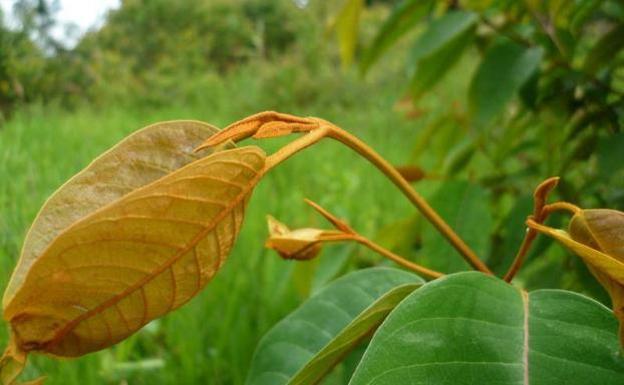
597 236
139 159
136 234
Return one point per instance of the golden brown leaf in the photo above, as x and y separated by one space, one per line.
133 236
597 236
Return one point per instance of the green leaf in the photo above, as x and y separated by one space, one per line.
605 49
473 329
404 17
316 336
504 70
439 48
466 208
347 24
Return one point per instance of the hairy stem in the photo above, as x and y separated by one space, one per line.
395 177
349 234
397 259
259 126
558 206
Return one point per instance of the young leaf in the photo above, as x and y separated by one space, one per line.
304 346
404 17
504 69
469 328
439 47
596 237
133 236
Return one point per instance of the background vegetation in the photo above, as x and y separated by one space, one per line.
495 97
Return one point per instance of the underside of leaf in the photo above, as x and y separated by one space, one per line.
135 259
141 158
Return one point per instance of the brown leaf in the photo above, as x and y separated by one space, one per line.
133 236
597 236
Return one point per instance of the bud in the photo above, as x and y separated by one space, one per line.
299 244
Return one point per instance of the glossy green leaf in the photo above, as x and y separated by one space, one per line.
304 346
472 329
466 207
404 17
439 48
347 24
504 70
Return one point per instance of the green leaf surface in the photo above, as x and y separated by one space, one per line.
466 208
473 329
504 70
400 21
304 346
347 24
438 48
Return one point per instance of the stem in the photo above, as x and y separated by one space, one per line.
539 216
397 259
294 147
395 177
318 129
349 234
557 206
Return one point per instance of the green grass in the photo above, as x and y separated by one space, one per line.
211 339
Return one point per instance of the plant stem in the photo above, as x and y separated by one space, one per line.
397 259
395 177
294 147
539 216
318 129
566 206
349 234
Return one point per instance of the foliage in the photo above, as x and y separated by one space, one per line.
540 96
494 106
144 45
254 289
161 217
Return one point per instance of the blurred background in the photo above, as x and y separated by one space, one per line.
477 101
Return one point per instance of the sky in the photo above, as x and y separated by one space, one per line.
84 14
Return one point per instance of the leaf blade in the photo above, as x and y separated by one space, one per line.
439 47
451 332
404 16
156 248
504 69
108 178
285 356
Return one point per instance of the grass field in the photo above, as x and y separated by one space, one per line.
211 339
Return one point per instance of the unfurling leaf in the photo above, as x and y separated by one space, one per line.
597 236
133 236
300 244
